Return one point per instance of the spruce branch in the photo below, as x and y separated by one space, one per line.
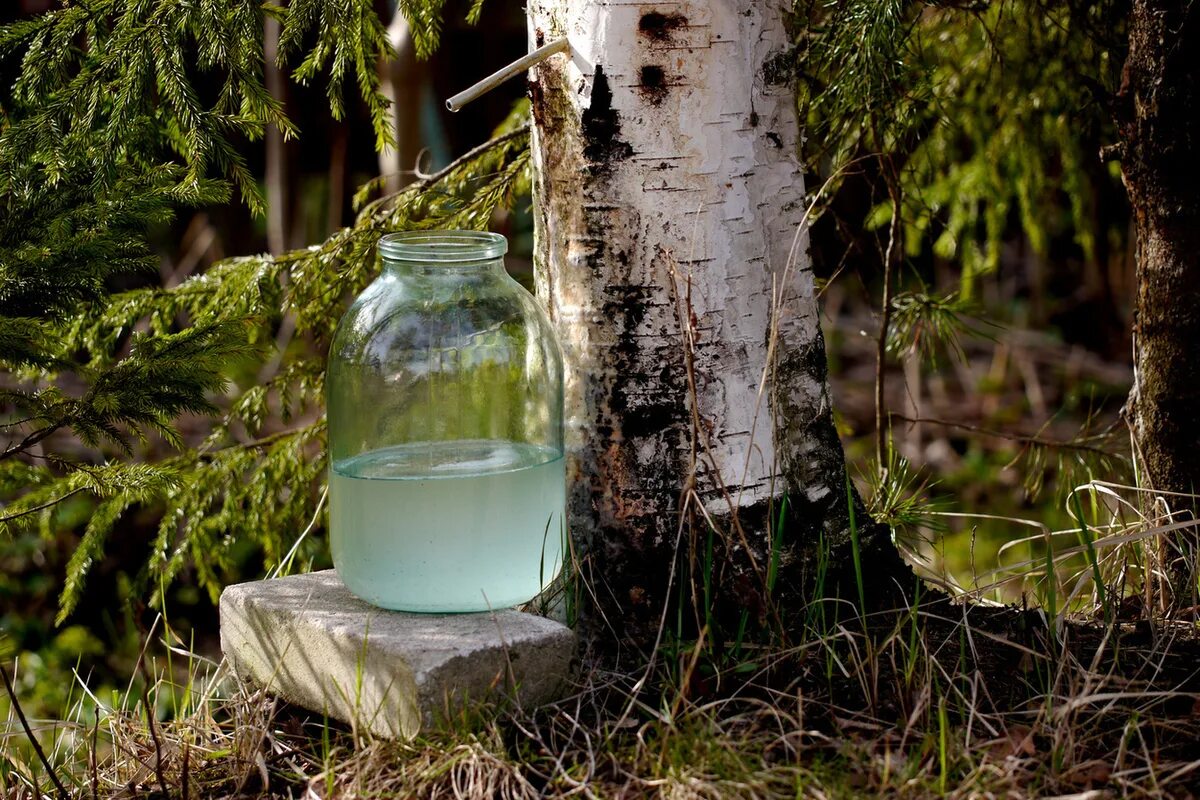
41 506
115 72
112 139
977 105
33 439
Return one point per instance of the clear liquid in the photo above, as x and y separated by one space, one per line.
448 526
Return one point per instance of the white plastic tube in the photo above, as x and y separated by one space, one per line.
501 75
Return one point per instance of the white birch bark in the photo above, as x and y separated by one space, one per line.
665 150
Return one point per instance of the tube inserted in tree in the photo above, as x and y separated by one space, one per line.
501 75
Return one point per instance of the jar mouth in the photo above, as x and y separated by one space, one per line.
443 247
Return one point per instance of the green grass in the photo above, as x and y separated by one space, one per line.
856 553
764 741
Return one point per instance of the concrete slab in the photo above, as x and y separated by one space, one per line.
306 638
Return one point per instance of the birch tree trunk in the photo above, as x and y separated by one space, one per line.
669 202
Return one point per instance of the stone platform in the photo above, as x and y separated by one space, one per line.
306 638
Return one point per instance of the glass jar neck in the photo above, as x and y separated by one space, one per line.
456 253
451 271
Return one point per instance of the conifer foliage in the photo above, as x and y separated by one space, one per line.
113 126
988 113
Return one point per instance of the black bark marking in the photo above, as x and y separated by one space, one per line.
781 68
537 103
658 27
653 403
652 83
602 129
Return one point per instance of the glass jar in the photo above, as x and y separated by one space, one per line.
445 397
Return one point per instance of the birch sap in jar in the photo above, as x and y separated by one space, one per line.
444 393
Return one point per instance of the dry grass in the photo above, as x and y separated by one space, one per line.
916 708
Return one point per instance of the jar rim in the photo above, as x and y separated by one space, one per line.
443 246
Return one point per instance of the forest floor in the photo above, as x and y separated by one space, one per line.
942 700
